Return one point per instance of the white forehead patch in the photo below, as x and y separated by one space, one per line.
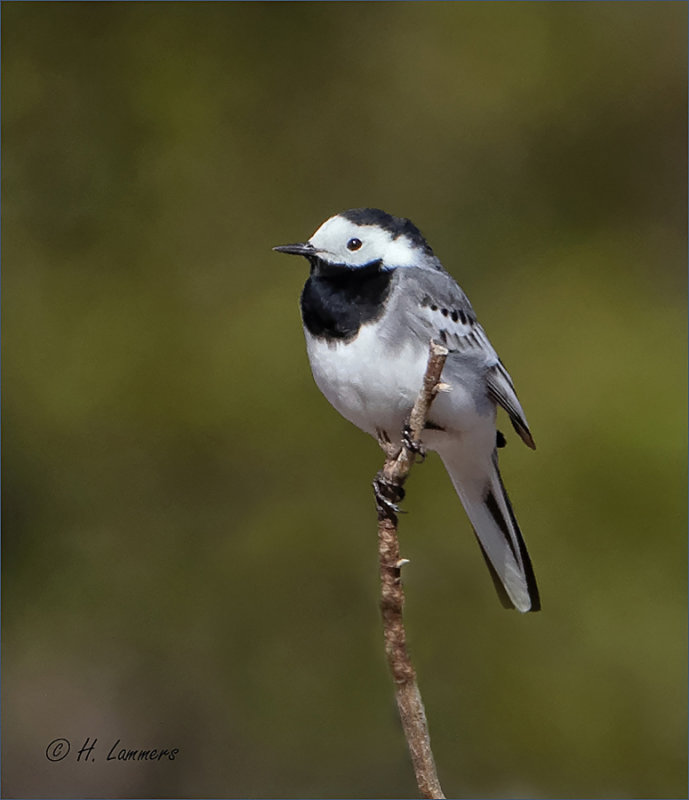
376 244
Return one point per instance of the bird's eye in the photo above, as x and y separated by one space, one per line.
353 244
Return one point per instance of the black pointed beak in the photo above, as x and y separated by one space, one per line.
300 249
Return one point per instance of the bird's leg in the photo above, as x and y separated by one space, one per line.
390 449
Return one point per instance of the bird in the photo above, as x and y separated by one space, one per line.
375 298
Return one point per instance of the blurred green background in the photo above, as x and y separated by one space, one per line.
189 543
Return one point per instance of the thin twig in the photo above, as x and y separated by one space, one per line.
389 492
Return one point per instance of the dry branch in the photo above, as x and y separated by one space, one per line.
389 492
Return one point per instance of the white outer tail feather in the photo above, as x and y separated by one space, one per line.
484 498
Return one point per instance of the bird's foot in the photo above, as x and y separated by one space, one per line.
388 495
413 445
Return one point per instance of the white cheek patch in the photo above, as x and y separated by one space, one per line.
377 244
400 253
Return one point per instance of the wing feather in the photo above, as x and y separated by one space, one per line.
501 389
445 313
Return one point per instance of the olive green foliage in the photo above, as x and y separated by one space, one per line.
188 528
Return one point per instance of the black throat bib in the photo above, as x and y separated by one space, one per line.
337 301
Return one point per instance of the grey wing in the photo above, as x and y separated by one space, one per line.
501 389
444 311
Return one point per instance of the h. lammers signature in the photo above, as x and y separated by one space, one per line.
60 748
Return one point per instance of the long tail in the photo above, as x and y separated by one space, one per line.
490 512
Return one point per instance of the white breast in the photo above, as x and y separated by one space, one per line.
374 383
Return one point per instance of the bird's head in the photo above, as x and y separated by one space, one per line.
364 237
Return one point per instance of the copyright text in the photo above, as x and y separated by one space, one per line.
90 751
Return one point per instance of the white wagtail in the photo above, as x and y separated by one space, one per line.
375 298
